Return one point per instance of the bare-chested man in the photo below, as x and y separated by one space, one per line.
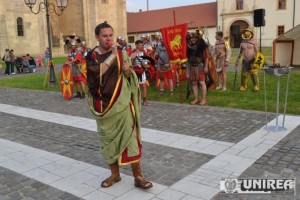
223 53
248 49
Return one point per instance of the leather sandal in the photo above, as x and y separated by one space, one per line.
202 102
140 182
110 181
194 101
160 93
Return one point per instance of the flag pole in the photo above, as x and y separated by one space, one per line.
177 67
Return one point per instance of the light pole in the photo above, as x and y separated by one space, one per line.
44 7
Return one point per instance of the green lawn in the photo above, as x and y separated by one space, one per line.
248 100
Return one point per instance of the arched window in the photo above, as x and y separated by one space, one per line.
20 26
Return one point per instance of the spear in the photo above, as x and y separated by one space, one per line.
234 82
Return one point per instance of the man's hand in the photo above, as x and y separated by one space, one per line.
125 66
205 69
114 49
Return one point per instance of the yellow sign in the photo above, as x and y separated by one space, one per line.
259 61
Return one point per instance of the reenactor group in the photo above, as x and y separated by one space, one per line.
114 73
151 63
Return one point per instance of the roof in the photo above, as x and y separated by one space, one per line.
195 15
290 35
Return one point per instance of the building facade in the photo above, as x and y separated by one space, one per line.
26 32
237 15
232 17
150 22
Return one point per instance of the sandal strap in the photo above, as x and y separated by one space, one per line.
142 183
110 181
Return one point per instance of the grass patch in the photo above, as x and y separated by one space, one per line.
29 81
59 60
248 100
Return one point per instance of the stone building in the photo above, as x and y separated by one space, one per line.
229 16
236 15
26 32
149 22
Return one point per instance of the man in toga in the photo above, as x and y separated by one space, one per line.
115 102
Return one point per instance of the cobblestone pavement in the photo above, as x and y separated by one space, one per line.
83 145
161 164
16 186
208 122
280 162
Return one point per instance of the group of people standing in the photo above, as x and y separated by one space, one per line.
145 57
199 58
9 58
117 86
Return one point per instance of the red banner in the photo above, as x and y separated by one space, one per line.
174 38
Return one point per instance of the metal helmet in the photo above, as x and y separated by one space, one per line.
120 38
201 31
143 37
247 34
157 35
148 36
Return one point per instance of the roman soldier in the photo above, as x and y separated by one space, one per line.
156 43
122 45
147 44
75 59
84 49
140 66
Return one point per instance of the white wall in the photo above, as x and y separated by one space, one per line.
296 58
283 53
227 14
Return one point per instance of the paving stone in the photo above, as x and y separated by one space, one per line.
160 159
27 190
161 164
218 123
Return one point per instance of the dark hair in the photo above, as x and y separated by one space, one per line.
194 35
219 33
138 42
188 35
201 45
101 26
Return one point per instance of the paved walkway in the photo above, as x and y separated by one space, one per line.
49 150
